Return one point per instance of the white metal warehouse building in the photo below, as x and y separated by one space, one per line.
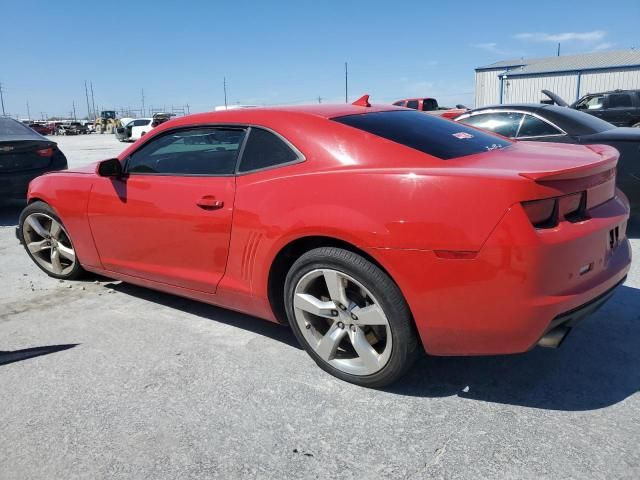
570 76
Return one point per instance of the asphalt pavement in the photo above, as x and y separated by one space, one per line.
100 379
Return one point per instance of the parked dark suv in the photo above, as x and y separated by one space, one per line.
619 107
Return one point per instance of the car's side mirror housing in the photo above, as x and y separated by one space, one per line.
110 168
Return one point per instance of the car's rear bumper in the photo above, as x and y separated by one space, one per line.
14 185
506 298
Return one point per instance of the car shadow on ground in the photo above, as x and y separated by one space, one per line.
268 329
10 212
597 366
7 357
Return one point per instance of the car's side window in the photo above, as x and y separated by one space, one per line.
502 123
534 127
264 149
594 102
197 151
620 100
412 104
399 104
429 105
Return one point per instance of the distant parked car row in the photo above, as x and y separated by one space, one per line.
73 128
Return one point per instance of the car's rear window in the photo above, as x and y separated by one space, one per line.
9 127
429 134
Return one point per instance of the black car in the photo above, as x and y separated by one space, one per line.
551 123
24 155
619 107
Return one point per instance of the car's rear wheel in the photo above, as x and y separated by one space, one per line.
47 242
350 317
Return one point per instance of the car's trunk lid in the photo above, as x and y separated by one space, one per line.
21 155
547 169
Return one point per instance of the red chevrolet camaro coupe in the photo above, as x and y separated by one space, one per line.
370 230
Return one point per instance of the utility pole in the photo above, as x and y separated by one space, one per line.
2 100
558 49
86 94
319 99
93 102
346 83
28 111
224 86
73 104
142 93
188 111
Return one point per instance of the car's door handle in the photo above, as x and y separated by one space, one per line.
209 202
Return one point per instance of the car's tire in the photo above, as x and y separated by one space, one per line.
335 335
47 242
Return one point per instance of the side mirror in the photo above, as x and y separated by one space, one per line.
110 168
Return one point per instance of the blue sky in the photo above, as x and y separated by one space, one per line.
274 52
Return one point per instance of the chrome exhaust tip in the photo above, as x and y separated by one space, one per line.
553 338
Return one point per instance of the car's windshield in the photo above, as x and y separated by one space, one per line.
429 134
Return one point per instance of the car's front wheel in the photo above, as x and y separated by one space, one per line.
47 242
350 317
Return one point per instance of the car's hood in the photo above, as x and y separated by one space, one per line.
90 168
626 134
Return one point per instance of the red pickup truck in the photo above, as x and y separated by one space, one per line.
430 105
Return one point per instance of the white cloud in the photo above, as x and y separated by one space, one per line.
593 36
603 46
489 47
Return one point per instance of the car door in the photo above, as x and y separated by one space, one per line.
168 219
620 109
593 105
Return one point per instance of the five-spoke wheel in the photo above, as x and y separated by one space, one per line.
350 316
342 321
48 242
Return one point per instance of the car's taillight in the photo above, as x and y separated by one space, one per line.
573 207
45 152
546 213
542 213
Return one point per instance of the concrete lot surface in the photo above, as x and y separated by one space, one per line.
129 383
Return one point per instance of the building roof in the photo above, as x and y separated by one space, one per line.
568 63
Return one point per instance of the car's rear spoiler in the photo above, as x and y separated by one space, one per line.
606 163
